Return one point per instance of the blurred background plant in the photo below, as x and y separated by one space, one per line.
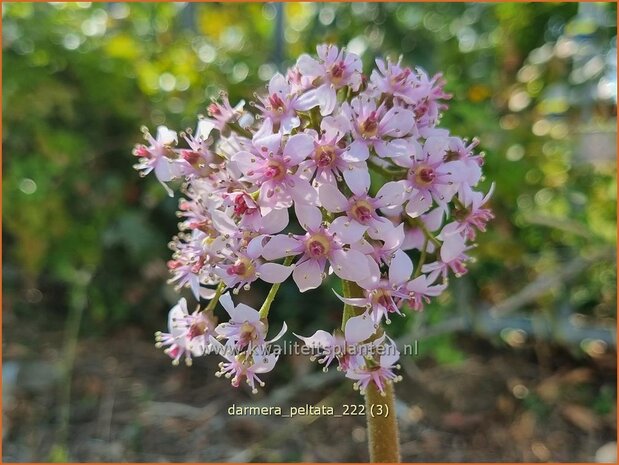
85 237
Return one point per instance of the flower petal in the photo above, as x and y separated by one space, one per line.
391 195
435 147
335 127
354 301
245 161
331 198
307 275
166 136
397 122
244 313
373 279
327 52
280 246
207 293
327 99
453 246
349 264
278 85
268 143
263 363
319 340
399 148
418 204
390 355
306 101
309 216
274 221
274 272
298 148
223 222
358 329
280 334
194 284
205 127
357 180
220 349
400 268
164 169
226 302
177 313
288 123
309 66
434 218
303 192
356 152
347 230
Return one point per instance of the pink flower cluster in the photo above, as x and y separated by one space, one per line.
382 197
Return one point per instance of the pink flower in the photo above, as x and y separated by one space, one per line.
383 296
188 334
198 158
474 217
421 289
377 128
159 157
321 130
298 82
361 209
429 176
317 247
416 89
273 169
245 365
220 114
370 370
381 243
392 79
457 149
244 330
245 267
189 262
281 105
185 271
415 238
452 254
345 347
334 69
427 95
246 211
327 162
246 351
203 215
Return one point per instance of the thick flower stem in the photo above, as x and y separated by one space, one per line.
383 437
382 424
349 289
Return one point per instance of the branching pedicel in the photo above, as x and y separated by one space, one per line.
310 145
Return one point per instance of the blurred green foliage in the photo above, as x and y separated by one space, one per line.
535 82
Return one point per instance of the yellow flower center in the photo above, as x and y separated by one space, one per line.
318 246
